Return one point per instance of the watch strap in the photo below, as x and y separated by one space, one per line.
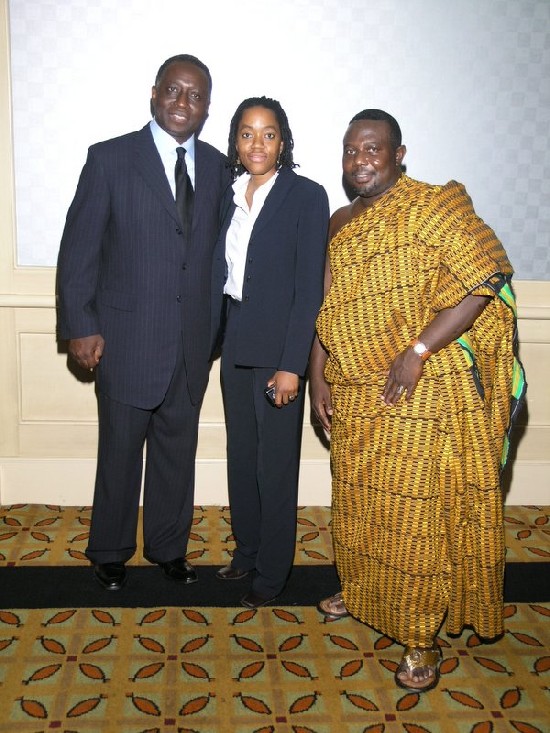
421 349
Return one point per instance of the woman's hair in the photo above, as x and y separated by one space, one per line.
285 158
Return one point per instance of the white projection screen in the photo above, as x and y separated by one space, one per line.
467 80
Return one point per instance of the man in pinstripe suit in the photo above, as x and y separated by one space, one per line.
134 304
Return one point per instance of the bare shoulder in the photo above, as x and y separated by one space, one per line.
339 218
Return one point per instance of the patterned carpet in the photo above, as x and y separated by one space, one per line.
280 669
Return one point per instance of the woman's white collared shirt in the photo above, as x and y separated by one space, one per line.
240 230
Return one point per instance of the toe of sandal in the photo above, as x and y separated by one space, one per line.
418 658
333 607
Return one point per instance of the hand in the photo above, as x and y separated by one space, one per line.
403 376
321 402
287 386
87 351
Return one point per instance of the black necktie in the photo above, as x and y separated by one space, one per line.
184 192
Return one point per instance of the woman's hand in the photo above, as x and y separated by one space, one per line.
287 385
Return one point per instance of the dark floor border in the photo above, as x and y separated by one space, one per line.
147 587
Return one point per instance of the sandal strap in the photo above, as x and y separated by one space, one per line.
416 657
334 605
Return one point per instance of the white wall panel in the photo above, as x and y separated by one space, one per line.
468 81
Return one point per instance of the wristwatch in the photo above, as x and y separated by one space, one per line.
421 349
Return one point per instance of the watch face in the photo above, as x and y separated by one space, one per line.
419 349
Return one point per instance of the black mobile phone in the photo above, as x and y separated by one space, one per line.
270 394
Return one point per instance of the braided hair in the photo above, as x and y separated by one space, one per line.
285 158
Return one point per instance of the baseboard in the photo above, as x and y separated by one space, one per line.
69 482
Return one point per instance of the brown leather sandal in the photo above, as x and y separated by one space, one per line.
334 607
418 658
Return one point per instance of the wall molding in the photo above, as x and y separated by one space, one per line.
70 481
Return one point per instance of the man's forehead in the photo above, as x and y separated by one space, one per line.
375 129
184 69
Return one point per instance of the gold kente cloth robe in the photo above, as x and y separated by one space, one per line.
416 500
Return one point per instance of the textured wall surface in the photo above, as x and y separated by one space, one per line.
468 81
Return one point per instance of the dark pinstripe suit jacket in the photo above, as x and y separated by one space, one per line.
126 272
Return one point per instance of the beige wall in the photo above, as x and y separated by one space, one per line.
48 417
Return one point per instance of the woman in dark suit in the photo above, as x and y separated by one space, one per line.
268 270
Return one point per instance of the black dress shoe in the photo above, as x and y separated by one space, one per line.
253 600
111 575
180 570
231 573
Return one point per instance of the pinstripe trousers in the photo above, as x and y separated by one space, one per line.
169 432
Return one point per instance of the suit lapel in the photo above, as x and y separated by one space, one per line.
286 180
149 165
204 191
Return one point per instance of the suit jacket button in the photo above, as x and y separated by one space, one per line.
246 297
178 298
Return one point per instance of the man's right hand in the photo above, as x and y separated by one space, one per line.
319 390
321 402
87 351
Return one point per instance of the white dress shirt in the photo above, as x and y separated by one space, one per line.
167 146
240 229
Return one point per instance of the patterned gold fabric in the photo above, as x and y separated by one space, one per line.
417 506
